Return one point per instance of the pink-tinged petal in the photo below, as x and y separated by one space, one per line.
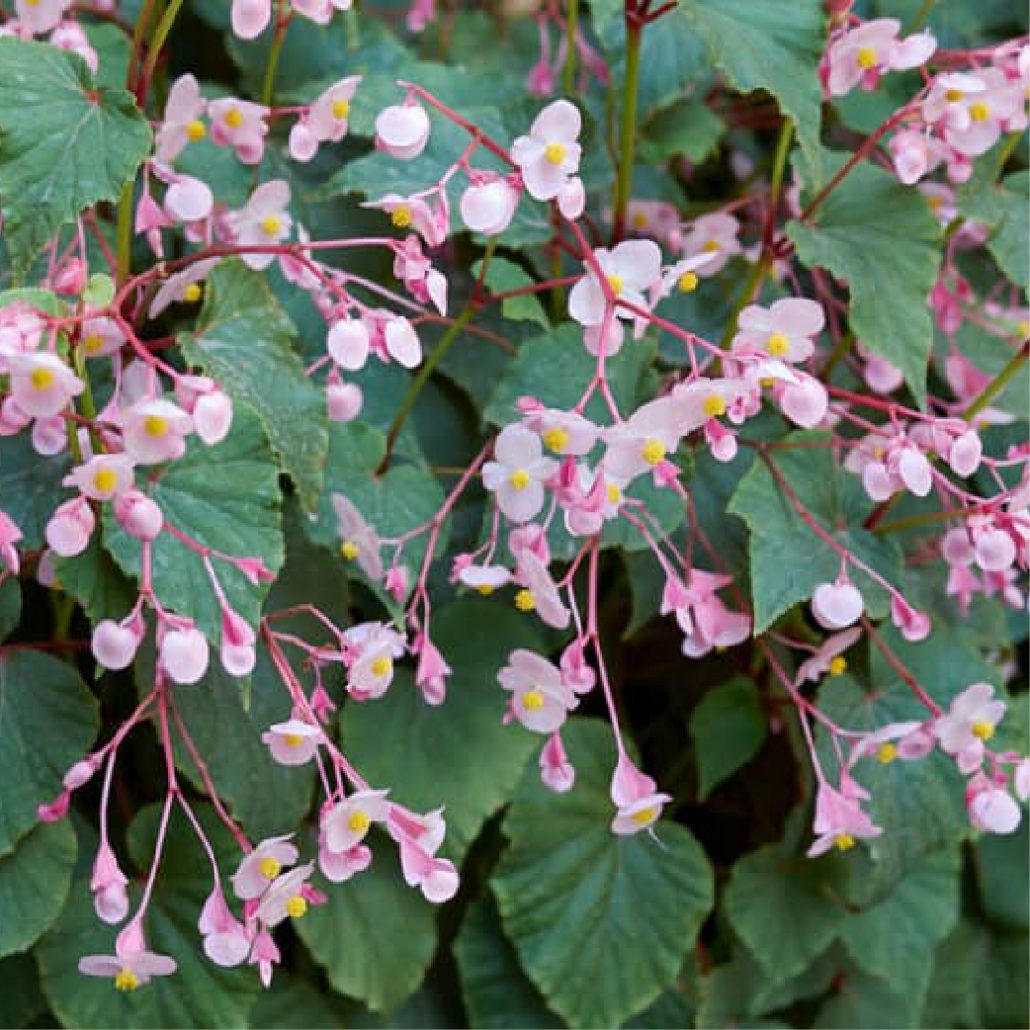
559 122
586 301
250 17
797 316
837 605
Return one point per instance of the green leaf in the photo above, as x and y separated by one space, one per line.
96 582
294 1004
375 936
475 759
48 720
1000 863
34 882
765 44
10 606
601 923
199 993
21 1000
64 142
1002 206
496 991
728 729
772 890
882 238
686 127
31 486
788 560
503 275
244 339
224 497
864 1000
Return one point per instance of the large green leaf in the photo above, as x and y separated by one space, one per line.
64 142
882 238
34 882
10 606
766 44
226 498
728 728
375 935
30 486
1003 208
244 339
788 561
474 758
21 1000
94 579
601 923
48 720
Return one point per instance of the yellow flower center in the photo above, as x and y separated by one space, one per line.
155 425
556 440
126 980
714 406
340 109
105 480
613 493
296 906
400 216
639 220
532 700
954 95
982 730
615 283
525 601
1023 328
886 753
653 451
844 841
294 739
710 246
935 202
645 816
777 345
358 821
349 550
234 117
382 666
979 111
271 224
485 589
193 293
866 57
838 666
519 479
42 378
767 382
93 344
687 282
555 153
195 130
270 867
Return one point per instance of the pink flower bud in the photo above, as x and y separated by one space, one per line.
994 550
237 651
303 142
184 654
138 515
402 130
488 205
556 771
396 582
344 401
110 898
70 277
250 17
78 775
114 646
56 810
70 527
914 625
836 605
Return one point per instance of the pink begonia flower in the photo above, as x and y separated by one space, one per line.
402 130
629 269
262 221
208 404
285 897
839 818
991 808
10 534
435 877
326 121
890 464
184 654
258 869
540 593
396 338
681 276
421 280
518 473
237 651
250 17
39 16
715 234
372 648
396 582
805 402
132 965
785 330
655 218
114 644
265 955
182 286
488 203
70 527
575 670
359 541
432 672
187 199
340 866
827 658
974 109
906 740
108 882
550 154
293 742
836 605
541 700
994 550
968 723
646 438
100 336
241 125
572 198
880 375
345 824
427 831
154 431
420 14
49 435
41 383
21 329
182 122
914 625
484 579
635 796
69 277
705 620
103 477
138 515
562 432
344 401
915 154
863 54
71 37
320 11
226 941
557 773
348 343
429 214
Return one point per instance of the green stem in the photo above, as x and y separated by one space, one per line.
998 383
628 130
921 15
571 23
136 47
124 231
913 521
780 164
268 84
754 281
838 354
164 27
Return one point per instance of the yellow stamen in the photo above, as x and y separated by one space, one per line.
400 216
525 601
980 111
714 406
93 344
270 867
646 816
1023 328
653 451
555 153
953 95
866 57
105 480
126 980
382 666
532 700
639 220
340 109
777 345
519 479
349 550
767 382
485 589
838 666
710 246
234 117
193 293
982 730
42 378
615 283
886 753
294 739
271 225
613 493
935 202
155 425
358 821
687 282
296 906
844 841
556 439
195 130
